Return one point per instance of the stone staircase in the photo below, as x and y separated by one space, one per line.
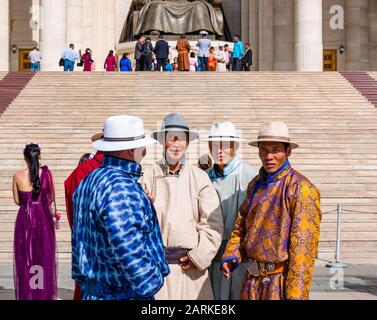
333 123
11 85
364 83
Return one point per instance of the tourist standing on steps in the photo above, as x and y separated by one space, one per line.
125 64
111 63
230 177
35 59
183 48
87 60
228 58
70 56
148 54
247 60
189 213
139 58
175 65
161 49
203 50
237 53
35 275
193 62
221 60
212 62
117 250
277 228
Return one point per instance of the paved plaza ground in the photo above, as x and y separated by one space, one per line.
359 283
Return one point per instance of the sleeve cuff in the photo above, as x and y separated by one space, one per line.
227 259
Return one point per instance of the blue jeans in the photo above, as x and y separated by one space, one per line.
236 64
36 67
69 65
203 61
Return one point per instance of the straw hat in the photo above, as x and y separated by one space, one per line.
274 132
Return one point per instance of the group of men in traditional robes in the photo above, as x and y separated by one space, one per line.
226 233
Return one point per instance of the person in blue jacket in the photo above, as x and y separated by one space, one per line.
238 52
117 249
125 64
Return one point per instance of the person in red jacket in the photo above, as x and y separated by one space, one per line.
72 183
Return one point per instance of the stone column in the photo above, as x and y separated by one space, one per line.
4 35
373 35
254 32
309 44
284 35
266 35
245 20
53 33
75 23
357 35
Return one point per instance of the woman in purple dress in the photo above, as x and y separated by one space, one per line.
111 62
35 275
87 60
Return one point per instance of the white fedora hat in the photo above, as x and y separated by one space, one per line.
274 132
225 131
123 133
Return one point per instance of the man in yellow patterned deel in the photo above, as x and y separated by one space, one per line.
278 225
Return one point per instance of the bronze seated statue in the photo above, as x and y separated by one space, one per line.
175 17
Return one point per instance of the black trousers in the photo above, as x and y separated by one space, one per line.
140 64
161 63
148 61
246 67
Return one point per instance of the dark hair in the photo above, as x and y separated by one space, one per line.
237 35
124 56
161 36
148 39
111 52
192 55
32 153
71 45
84 158
247 44
88 49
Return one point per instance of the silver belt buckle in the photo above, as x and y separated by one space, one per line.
270 267
253 268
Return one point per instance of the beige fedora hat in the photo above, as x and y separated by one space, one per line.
274 132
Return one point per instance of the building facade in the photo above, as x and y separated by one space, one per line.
286 35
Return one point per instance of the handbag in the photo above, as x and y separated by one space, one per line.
81 63
61 62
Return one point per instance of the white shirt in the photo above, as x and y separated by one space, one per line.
35 56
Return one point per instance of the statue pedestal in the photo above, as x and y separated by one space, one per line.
129 47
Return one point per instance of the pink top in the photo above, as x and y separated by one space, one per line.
227 57
193 64
110 63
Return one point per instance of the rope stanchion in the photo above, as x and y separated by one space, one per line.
337 264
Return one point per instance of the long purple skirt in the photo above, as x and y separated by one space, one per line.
34 251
